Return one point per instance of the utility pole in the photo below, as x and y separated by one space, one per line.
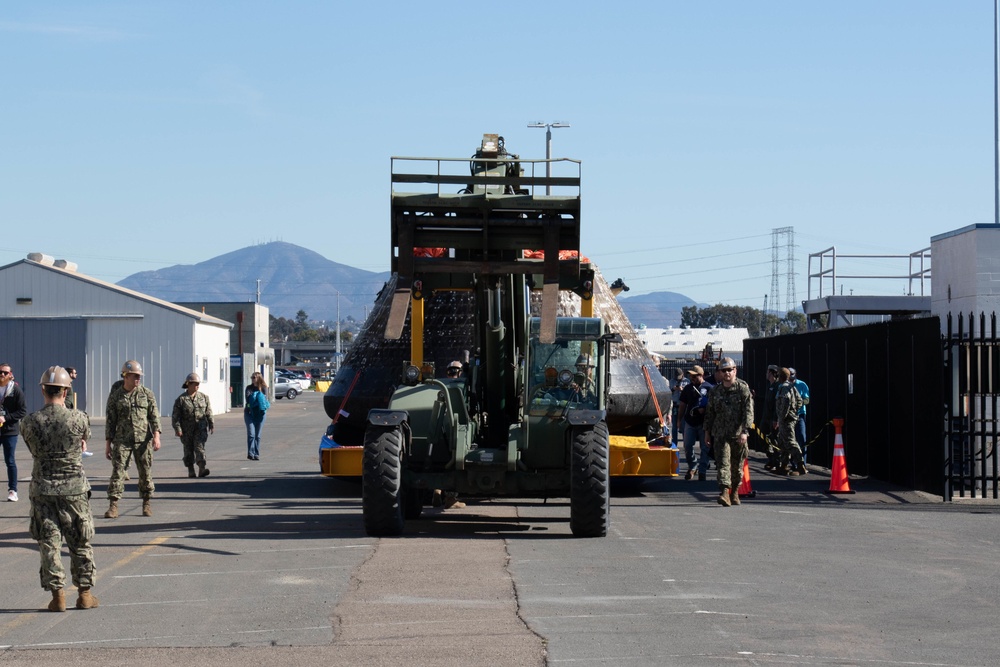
763 317
338 330
548 147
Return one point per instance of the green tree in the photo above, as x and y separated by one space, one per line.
793 322
307 335
280 328
757 324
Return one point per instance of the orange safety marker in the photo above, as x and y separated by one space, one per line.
838 471
656 403
745 491
340 410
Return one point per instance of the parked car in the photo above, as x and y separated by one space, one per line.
286 388
303 380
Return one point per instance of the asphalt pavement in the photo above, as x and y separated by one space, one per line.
267 563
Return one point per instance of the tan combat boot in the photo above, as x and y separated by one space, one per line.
734 497
191 471
86 599
112 512
724 497
451 502
203 471
58 601
146 509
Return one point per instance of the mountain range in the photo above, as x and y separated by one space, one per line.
657 310
291 278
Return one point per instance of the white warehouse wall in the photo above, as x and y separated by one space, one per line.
121 325
966 275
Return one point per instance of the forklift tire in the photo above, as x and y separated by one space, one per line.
590 482
382 500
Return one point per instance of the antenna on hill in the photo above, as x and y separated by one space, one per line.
258 291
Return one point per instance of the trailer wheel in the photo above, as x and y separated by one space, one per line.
590 488
382 500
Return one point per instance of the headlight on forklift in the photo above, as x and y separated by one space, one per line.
565 376
411 375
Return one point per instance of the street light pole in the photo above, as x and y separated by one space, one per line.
548 147
996 117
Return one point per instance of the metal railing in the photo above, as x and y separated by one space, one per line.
443 174
919 271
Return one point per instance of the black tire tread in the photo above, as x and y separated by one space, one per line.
381 481
590 481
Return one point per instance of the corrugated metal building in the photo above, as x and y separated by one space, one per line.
51 314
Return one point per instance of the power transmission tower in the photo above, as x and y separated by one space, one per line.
790 301
789 268
775 292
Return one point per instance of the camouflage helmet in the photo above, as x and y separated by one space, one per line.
131 366
583 360
55 376
192 377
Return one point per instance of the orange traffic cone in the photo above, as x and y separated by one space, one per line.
838 471
745 491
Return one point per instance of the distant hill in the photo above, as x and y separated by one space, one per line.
292 278
657 310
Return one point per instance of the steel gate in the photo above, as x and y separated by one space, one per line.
971 391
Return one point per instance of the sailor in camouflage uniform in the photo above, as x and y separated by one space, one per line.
133 425
728 420
192 422
60 492
70 394
787 402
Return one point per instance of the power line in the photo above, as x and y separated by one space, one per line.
678 261
712 242
738 279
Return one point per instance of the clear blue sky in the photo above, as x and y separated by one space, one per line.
139 135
